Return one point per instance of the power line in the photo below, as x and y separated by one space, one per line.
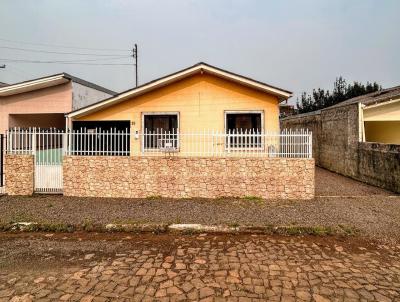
64 61
57 52
62 46
61 62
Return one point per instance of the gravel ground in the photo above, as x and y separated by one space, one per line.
373 211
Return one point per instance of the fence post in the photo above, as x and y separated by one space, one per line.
64 142
34 141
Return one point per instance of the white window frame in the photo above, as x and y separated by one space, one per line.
143 149
228 148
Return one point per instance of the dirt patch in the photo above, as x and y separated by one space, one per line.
374 212
68 250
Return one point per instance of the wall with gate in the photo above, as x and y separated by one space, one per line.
179 177
249 164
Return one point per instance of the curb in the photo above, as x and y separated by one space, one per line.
290 230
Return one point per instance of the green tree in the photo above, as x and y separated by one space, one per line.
320 98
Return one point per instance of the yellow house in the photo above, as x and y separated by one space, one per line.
191 100
382 122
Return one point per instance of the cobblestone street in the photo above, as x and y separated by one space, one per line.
122 267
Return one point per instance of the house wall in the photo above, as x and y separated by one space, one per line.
83 95
336 146
140 177
19 174
383 112
200 100
387 132
56 99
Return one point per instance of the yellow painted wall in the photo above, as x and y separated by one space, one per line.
200 100
387 132
387 112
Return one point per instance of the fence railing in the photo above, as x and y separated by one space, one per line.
287 144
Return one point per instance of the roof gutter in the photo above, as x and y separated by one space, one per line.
4 91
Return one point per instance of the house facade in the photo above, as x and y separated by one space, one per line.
43 102
201 97
200 132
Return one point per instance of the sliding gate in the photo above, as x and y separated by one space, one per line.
48 152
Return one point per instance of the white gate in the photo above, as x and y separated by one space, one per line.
47 146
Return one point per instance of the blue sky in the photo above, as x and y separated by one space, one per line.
297 45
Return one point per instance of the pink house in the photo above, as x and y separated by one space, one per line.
43 102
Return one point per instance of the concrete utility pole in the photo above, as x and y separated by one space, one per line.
135 56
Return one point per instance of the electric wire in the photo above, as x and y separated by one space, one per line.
62 46
56 52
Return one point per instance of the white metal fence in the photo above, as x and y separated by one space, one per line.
49 145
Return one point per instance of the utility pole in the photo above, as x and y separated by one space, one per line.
135 56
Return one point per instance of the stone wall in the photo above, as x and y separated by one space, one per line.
336 147
19 174
139 177
379 164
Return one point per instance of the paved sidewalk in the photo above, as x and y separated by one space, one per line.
124 267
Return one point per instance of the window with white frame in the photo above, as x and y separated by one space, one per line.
244 129
160 130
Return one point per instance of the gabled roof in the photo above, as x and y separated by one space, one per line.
48 81
163 81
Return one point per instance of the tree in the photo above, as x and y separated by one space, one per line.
342 91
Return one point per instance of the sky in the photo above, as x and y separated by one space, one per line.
295 45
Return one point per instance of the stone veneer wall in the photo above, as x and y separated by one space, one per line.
138 177
19 174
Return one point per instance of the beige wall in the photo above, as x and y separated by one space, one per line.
48 120
387 132
140 177
200 100
57 99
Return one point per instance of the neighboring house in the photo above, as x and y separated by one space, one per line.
43 102
359 137
196 98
